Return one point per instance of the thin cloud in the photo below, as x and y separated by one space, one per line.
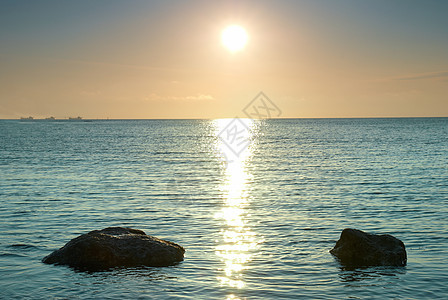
197 97
200 97
443 74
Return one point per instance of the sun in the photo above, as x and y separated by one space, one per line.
234 38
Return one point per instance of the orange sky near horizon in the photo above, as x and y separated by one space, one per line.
159 59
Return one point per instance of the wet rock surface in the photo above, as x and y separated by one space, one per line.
358 248
116 247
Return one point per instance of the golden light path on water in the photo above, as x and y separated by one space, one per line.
238 243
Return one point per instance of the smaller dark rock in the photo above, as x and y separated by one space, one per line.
358 248
116 247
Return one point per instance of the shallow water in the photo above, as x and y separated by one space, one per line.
257 213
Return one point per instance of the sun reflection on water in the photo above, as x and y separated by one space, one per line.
238 242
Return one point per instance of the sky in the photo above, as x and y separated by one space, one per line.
164 59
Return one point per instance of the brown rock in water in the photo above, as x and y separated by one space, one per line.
116 247
358 248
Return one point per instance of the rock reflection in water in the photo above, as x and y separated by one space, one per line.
352 275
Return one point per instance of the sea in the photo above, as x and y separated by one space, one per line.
257 205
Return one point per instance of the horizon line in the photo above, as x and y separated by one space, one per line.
236 117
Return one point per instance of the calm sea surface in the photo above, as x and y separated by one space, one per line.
256 204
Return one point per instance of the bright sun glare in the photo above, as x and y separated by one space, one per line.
234 38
